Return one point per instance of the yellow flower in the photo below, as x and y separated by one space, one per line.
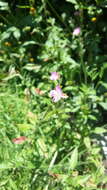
32 10
31 59
7 44
93 19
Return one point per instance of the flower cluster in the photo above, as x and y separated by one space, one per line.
57 93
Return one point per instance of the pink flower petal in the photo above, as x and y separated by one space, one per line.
19 140
58 89
76 31
54 76
57 94
52 93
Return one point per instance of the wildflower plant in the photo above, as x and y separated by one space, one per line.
57 94
53 99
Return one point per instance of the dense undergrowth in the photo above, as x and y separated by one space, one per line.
53 94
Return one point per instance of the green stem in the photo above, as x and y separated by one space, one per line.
83 66
81 53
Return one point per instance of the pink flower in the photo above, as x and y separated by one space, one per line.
76 31
19 140
57 94
54 76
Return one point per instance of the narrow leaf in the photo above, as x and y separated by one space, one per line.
72 1
74 159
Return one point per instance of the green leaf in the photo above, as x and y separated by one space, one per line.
49 114
2 76
12 30
23 6
74 159
32 118
83 179
5 165
11 76
104 105
4 6
24 127
42 147
32 67
104 84
103 68
53 160
72 1
12 184
99 130
67 110
16 34
95 151
29 43
5 35
87 142
3 182
68 88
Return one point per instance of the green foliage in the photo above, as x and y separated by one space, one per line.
47 144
